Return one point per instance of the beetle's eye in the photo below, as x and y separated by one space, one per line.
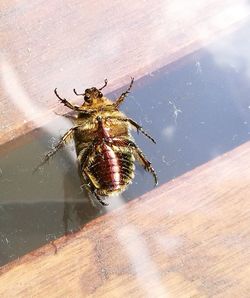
100 95
87 97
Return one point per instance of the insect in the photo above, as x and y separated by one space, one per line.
105 149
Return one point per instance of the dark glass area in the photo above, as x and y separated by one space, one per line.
196 108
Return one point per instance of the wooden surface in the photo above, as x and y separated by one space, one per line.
76 44
188 238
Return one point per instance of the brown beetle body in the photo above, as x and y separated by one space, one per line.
105 149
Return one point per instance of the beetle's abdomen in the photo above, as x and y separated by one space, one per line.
111 169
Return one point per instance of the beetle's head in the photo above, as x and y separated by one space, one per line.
92 94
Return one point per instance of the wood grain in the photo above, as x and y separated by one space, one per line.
187 238
76 44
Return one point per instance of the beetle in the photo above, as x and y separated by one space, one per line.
106 151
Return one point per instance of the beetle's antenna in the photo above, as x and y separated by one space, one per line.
78 94
58 95
105 84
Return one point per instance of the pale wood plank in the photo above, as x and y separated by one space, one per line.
48 44
188 238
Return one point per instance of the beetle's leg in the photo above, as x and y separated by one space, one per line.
59 145
139 128
83 159
135 124
145 163
65 102
91 188
124 94
85 154
99 199
72 117
105 84
74 108
138 154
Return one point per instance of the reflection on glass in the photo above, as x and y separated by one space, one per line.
196 109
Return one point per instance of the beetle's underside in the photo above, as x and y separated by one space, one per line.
105 149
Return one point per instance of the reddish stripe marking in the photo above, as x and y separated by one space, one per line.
103 132
113 164
110 158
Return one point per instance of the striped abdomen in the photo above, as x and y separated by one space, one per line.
111 168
